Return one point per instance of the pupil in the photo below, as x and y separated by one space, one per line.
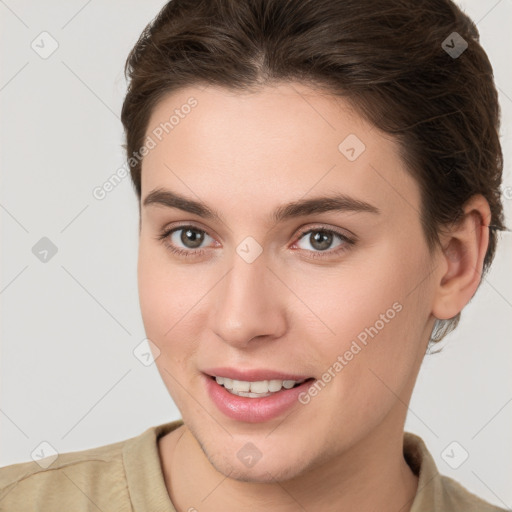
321 240
192 238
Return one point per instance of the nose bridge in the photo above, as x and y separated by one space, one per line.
247 301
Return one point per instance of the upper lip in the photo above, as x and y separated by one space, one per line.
253 375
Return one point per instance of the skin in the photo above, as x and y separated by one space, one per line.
244 155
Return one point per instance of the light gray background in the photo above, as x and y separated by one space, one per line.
70 325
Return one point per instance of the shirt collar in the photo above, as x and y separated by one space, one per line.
144 473
424 467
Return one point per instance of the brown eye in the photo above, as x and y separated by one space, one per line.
184 240
191 238
321 240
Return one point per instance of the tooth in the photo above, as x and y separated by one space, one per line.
274 385
259 386
240 385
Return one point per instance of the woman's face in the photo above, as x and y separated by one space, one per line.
337 292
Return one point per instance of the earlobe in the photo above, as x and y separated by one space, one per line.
462 255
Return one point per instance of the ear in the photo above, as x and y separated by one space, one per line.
461 260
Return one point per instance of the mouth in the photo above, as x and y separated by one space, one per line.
255 401
257 389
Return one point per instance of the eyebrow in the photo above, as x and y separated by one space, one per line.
299 208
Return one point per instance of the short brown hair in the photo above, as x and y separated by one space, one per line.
388 58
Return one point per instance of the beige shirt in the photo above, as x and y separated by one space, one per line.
126 476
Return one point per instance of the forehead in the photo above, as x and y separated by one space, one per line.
279 142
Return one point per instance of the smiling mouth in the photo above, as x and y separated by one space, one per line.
257 389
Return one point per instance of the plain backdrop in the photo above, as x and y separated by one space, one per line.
70 324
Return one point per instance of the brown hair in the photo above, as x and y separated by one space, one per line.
390 59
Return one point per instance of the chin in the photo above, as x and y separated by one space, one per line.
261 475
262 472
277 466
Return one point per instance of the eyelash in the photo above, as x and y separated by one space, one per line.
348 242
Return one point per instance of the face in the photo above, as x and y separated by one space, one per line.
262 283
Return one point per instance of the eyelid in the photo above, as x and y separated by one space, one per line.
183 225
344 233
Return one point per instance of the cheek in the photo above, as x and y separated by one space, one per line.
166 302
371 358
349 300
174 306
372 314
166 296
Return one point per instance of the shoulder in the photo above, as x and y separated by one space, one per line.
435 490
94 475
456 497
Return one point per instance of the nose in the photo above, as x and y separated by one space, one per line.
249 303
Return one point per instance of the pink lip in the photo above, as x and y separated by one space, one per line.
252 375
253 410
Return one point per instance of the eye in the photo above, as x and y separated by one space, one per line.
184 240
187 241
321 239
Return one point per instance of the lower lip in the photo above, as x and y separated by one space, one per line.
253 410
